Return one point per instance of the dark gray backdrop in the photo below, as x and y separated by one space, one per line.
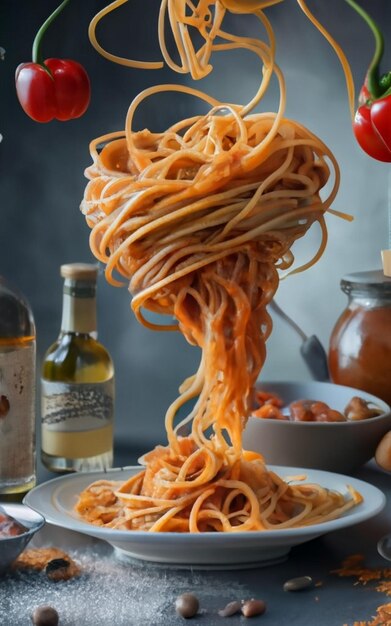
41 180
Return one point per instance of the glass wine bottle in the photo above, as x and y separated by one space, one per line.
77 384
17 392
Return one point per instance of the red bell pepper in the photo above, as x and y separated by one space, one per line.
367 133
54 88
247 6
372 122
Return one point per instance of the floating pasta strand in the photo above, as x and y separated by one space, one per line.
112 57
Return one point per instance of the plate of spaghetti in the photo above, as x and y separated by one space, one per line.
314 502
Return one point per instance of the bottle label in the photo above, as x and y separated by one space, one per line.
68 407
77 419
17 414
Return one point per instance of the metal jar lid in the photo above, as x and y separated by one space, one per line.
369 282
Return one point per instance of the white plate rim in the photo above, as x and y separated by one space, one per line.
374 502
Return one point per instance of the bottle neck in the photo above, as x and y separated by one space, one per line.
79 307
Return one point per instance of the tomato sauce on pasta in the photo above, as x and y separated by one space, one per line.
200 220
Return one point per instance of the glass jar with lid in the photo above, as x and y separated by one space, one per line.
360 343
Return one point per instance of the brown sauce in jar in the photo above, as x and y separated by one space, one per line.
360 344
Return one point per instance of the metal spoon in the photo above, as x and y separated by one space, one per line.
311 349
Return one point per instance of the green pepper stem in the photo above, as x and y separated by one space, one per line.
36 53
373 70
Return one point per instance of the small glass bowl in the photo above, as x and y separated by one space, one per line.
11 547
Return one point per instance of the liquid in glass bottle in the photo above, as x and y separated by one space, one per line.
17 392
77 384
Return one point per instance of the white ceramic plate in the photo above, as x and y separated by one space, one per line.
56 499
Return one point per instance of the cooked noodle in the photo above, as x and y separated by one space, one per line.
200 219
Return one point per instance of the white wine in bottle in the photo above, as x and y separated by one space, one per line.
77 384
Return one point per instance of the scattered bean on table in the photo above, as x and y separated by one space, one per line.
298 584
56 568
187 605
251 608
45 616
230 609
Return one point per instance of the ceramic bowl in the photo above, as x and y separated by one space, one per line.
11 547
333 446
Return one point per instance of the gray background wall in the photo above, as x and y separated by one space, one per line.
41 180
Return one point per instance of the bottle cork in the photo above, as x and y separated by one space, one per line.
79 271
386 260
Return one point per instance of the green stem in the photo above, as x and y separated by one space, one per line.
373 70
37 54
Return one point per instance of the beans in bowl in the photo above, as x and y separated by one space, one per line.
271 406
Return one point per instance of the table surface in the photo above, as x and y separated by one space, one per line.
332 601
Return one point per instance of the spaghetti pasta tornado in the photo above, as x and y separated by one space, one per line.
200 219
